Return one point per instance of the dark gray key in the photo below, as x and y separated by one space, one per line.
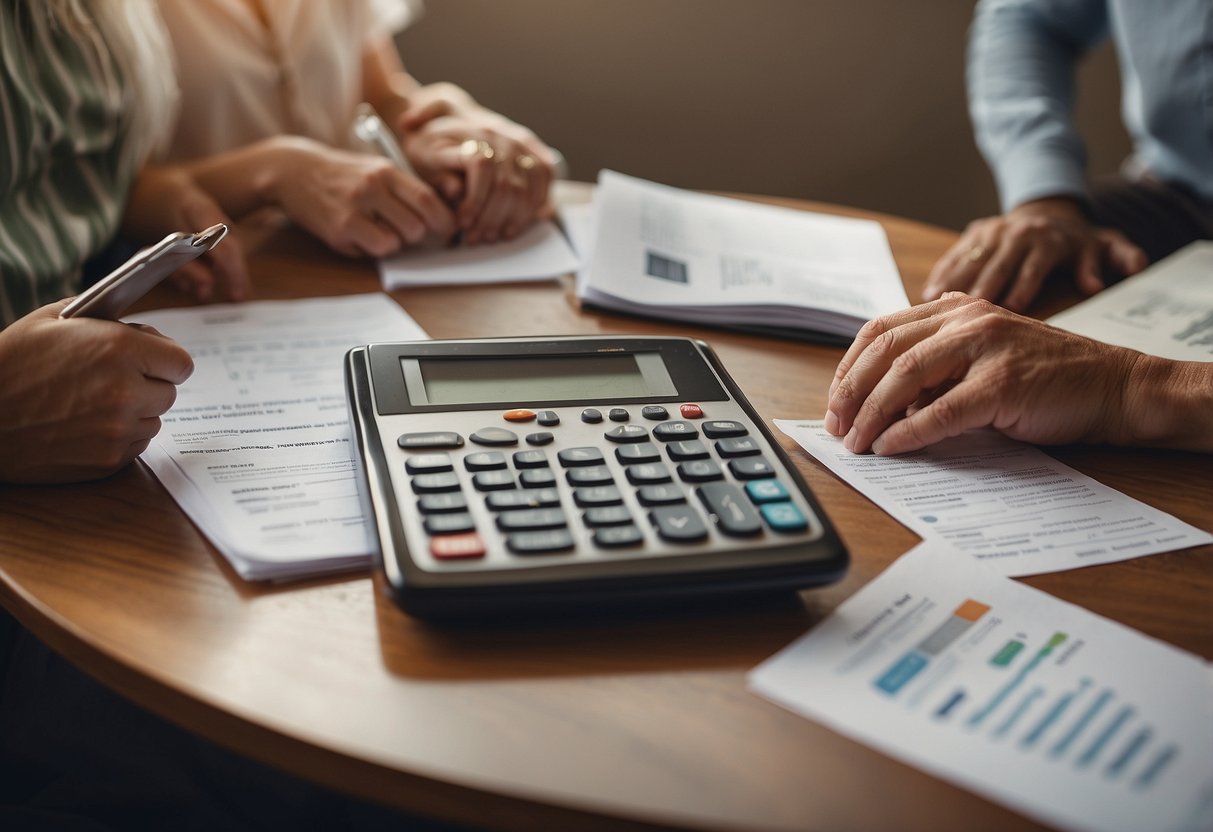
627 433
591 415
572 457
485 461
751 468
607 516
428 464
543 437
494 436
720 428
699 470
547 418
614 537
590 475
449 523
655 412
430 439
531 519
649 473
516 499
618 414
441 503
738 446
598 495
670 431
537 478
530 459
539 543
640 452
435 483
687 449
660 495
492 480
679 524
734 513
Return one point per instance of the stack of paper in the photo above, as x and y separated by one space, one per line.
667 253
257 449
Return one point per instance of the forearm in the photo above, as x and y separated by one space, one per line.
1168 404
248 178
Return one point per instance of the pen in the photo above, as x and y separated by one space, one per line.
369 127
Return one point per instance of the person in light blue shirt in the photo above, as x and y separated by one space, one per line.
1021 61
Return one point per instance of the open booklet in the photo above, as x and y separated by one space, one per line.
667 253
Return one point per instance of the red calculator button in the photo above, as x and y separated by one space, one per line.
521 415
691 411
457 546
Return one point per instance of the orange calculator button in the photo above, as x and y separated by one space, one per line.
457 546
691 411
520 415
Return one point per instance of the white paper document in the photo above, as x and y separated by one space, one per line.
257 449
1167 310
665 252
1001 501
1035 703
539 253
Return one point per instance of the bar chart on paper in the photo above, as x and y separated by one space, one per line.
1031 701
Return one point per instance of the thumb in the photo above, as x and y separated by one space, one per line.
1087 269
414 117
1123 255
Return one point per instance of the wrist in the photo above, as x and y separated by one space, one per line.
276 161
1167 404
1057 208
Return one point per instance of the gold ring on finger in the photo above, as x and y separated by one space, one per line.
476 147
525 162
975 254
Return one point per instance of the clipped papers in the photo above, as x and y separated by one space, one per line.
667 253
1035 703
257 449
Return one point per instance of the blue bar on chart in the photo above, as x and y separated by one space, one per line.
909 665
1009 688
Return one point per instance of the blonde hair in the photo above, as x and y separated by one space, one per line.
131 32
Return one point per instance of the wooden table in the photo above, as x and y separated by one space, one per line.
593 724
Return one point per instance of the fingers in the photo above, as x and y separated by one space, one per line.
1123 255
435 217
230 268
960 264
964 407
479 172
418 116
160 357
1087 271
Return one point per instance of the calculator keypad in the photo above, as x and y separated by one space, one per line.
673 484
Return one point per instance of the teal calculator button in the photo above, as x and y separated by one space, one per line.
783 517
766 491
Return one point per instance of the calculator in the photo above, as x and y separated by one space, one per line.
574 472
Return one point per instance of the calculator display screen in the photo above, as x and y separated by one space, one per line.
468 380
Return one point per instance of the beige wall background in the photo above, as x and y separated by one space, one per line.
856 102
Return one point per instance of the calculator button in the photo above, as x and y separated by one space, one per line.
590 475
573 457
766 491
494 436
720 428
439 503
687 449
699 470
607 516
428 464
548 418
738 446
516 499
492 480
733 512
783 517
649 473
655 412
640 452
530 459
591 415
520 415
660 495
449 523
669 431
457 546
430 439
691 411
627 433
543 437
597 495
531 519
485 461
538 543
618 414
537 478
678 524
435 483
751 468
613 537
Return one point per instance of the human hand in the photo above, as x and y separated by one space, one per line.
81 397
357 203
497 172
1008 257
937 370
165 199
